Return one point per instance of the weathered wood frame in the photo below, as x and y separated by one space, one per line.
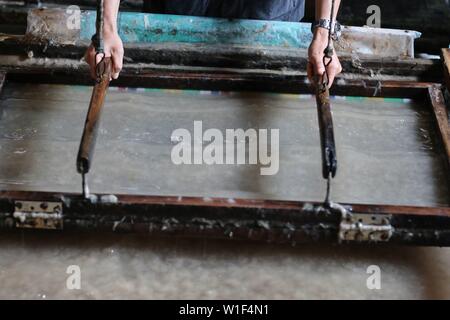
445 57
273 221
234 57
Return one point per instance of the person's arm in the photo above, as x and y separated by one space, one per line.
320 42
112 42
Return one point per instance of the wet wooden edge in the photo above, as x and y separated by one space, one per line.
446 65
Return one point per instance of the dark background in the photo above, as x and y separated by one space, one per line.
431 17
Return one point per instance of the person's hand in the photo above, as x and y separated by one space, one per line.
316 67
113 48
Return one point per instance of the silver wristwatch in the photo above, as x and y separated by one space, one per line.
336 30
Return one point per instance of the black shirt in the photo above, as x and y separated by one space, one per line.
282 10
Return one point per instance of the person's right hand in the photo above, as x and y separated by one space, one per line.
316 68
113 48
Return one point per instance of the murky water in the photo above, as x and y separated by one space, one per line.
140 267
387 154
385 147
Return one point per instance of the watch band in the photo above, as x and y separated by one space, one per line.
336 30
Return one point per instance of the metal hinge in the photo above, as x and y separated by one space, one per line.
365 228
38 215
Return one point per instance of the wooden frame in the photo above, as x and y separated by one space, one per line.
273 221
279 222
446 64
235 57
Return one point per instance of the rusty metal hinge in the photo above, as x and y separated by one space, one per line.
38 215
365 227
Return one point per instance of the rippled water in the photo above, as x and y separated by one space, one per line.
386 148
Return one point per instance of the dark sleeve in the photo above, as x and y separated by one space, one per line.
153 6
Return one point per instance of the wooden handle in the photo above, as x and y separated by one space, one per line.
87 145
329 156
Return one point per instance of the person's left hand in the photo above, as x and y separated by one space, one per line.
316 52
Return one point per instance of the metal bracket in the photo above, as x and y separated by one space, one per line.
365 228
38 215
